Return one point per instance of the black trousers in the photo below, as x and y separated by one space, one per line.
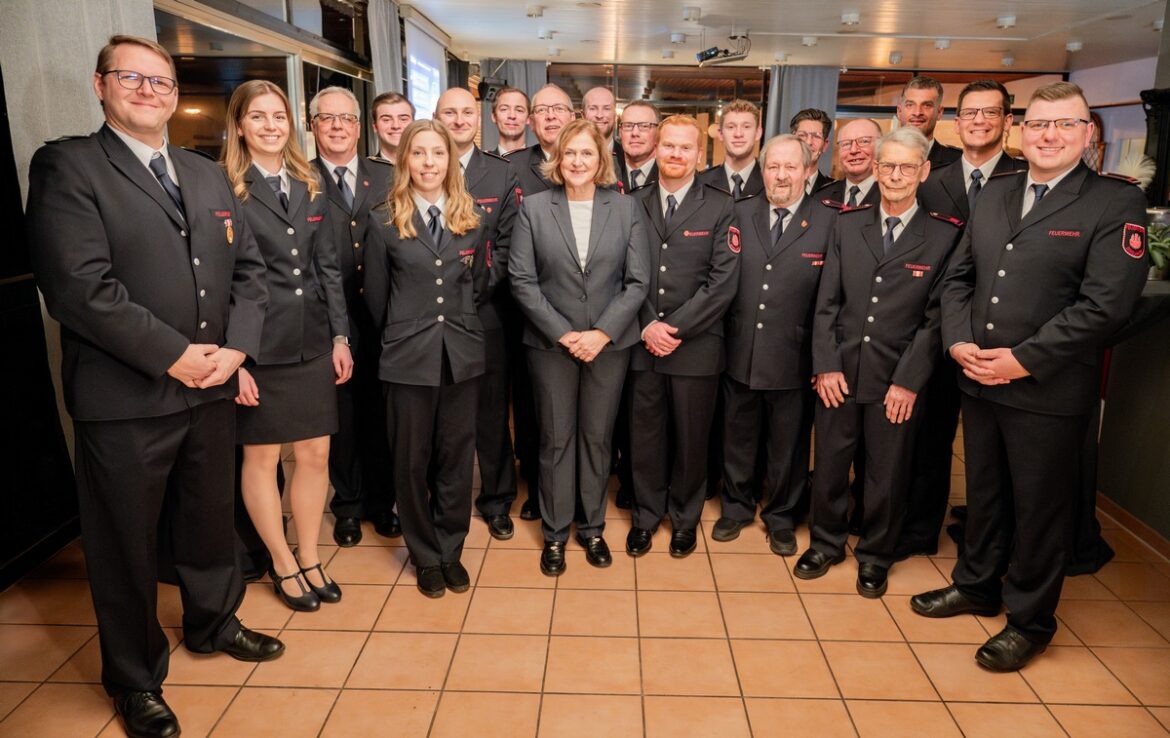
135 477
576 404
493 441
768 430
525 425
888 447
670 426
359 457
433 429
1023 482
621 443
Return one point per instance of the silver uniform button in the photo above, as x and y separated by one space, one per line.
1009 247
438 262
866 339
291 231
991 326
878 279
663 245
357 245
439 280
359 267
761 306
661 291
768 267
869 319
294 252
203 324
300 291
440 319
183 234
662 315
662 268
195 261
994 300
1002 273
439 299
873 299
296 272
759 326
203 293
765 287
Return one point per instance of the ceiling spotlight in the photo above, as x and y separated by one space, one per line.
535 11
781 57
691 13
1005 21
554 51
850 18
668 53
1073 46
544 33
942 44
808 41
1007 60
1158 23
678 38
895 57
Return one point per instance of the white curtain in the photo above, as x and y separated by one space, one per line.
528 76
385 46
795 88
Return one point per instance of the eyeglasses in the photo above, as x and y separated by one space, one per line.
862 143
540 110
807 136
993 113
886 168
627 127
132 80
1062 124
329 118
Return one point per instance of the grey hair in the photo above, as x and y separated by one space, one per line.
908 136
805 151
334 90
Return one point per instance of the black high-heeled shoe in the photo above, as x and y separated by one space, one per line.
307 601
330 592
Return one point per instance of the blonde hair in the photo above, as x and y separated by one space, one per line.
106 55
740 106
459 214
551 169
1056 91
236 159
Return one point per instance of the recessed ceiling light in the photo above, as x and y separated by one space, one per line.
692 13
192 111
678 38
554 51
668 53
1005 21
1074 46
535 11
942 44
895 57
1158 23
544 33
1007 60
808 41
850 18
585 4
781 57
588 41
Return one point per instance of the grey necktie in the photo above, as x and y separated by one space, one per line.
892 222
634 174
158 165
778 226
434 225
671 206
274 183
976 186
854 191
342 185
737 190
1041 190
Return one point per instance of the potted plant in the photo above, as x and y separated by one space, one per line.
1158 240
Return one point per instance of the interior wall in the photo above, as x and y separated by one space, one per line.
1125 125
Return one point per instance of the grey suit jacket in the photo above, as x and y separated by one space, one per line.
555 293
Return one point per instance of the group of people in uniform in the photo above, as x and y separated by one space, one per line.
386 316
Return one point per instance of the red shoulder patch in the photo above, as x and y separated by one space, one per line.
1011 173
829 202
855 208
733 240
1133 240
947 219
1121 177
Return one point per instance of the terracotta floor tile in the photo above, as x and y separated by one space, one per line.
1157 614
261 608
662 571
407 609
579 574
486 715
528 535
477 534
302 713
84 666
12 694
915 574
752 539
841 579
369 712
512 568
682 666
207 669
711 510
850 618
902 719
1135 581
358 610
1083 721
1073 675
590 716
1085 587
764 615
680 614
1107 624
403 661
958 678
49 601
593 612
917 629
68 563
515 611
59 710
198 709
751 573
593 665
367 565
1146 671
672 717
1064 634
311 659
783 669
982 720
1162 714
504 662
1127 547
855 666
472 560
33 652
773 718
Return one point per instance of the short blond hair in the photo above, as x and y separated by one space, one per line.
551 169
680 120
1055 91
741 106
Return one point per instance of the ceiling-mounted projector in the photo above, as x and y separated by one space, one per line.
715 55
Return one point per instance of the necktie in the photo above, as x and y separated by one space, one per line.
737 190
433 225
778 226
888 240
274 183
1041 190
854 191
158 165
342 185
671 205
634 178
976 185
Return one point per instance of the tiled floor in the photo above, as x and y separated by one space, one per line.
724 643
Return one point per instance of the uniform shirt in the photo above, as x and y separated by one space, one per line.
581 215
423 205
986 168
283 174
1030 194
644 169
144 154
743 173
351 168
864 185
787 218
898 227
465 159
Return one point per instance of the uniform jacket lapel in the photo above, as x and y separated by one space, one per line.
297 191
760 217
911 237
653 210
362 187
475 169
259 190
952 181
688 207
1063 195
189 185
424 233
796 226
124 160
872 233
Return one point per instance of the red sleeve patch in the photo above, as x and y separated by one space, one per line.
1133 240
733 242
488 254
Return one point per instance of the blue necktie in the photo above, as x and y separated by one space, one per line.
671 205
888 240
158 165
342 185
1041 190
976 186
778 226
274 183
854 191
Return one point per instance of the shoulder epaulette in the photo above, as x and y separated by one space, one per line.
1009 173
1121 177
717 188
493 155
743 198
855 208
380 160
59 139
830 183
947 219
830 202
201 153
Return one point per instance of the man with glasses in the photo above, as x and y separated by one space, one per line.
392 113
510 114
983 119
814 127
358 462
855 142
875 342
740 132
1051 266
551 111
639 136
143 254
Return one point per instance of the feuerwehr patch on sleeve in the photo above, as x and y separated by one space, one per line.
733 239
1133 240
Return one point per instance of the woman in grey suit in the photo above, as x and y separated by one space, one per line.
288 394
578 268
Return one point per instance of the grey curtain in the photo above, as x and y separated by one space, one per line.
386 46
529 76
795 88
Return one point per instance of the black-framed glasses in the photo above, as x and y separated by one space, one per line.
863 142
627 127
132 80
1062 124
992 113
328 118
540 110
886 168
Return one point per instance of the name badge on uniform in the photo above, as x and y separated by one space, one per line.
228 232
467 256
315 218
917 270
816 258
692 234
487 202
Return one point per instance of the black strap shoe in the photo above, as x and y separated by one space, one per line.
948 602
250 645
530 510
638 541
813 564
456 577
872 580
683 542
306 601
1008 650
727 529
146 715
388 525
347 532
596 551
552 558
329 592
500 526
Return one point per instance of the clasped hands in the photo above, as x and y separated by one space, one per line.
832 389
659 338
585 345
988 366
204 365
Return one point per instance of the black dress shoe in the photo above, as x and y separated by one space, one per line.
727 529
872 580
624 500
552 558
388 525
949 601
1008 650
500 526
431 581
306 601
782 541
596 551
456 577
530 510
347 532
813 564
251 645
959 512
683 542
638 541
330 592
146 715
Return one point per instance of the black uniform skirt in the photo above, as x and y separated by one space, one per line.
297 401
